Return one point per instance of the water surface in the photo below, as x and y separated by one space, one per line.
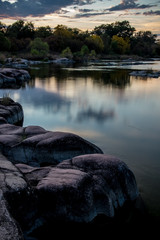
104 104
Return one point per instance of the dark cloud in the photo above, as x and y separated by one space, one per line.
90 13
129 4
152 13
24 8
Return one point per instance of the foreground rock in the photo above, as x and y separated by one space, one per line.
10 111
78 184
80 188
12 185
10 77
35 146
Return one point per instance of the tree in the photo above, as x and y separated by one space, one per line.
39 48
84 50
143 43
124 29
95 42
4 42
67 53
121 29
20 30
3 27
43 32
119 45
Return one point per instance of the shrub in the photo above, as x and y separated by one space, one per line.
39 48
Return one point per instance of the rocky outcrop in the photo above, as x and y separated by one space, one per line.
81 188
9 230
10 77
75 191
48 177
10 111
12 184
30 144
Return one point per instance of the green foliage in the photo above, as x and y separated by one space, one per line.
84 50
20 29
92 54
67 53
5 43
143 43
39 48
121 29
120 45
118 38
43 32
5 100
95 42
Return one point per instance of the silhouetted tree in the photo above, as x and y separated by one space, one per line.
5 44
20 29
43 32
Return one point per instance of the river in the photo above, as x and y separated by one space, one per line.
102 103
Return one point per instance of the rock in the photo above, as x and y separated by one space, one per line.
154 74
10 111
9 230
81 188
29 145
79 184
13 188
13 77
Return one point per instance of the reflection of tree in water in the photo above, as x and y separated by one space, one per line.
113 77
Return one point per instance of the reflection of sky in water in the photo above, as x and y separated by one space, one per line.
122 120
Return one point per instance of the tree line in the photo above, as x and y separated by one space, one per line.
107 39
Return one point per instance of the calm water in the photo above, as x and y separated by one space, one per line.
104 104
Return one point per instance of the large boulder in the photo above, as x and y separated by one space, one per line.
36 146
9 229
81 188
12 187
10 111
12 77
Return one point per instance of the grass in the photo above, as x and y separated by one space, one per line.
5 100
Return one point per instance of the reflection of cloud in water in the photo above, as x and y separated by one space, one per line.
40 98
99 116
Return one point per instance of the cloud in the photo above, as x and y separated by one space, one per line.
129 4
98 116
24 8
90 13
151 13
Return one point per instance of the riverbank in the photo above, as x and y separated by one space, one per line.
6 58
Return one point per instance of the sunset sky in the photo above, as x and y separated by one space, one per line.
83 14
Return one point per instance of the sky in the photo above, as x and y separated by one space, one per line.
83 14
